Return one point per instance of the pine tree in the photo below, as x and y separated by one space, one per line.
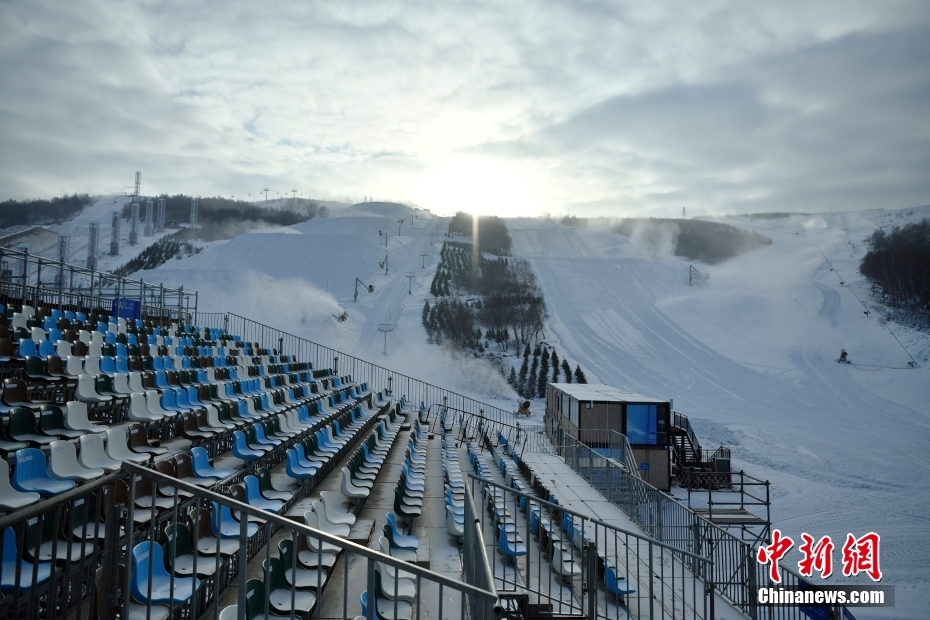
512 378
537 351
543 375
579 375
555 366
425 316
533 379
567 371
521 382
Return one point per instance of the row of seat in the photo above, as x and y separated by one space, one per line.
453 481
268 404
561 536
299 588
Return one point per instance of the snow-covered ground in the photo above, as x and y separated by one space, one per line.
749 358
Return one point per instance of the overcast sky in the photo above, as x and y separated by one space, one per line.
507 107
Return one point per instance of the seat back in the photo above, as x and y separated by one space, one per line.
143 555
22 423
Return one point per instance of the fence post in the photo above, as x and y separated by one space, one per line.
372 599
61 281
243 561
25 272
591 579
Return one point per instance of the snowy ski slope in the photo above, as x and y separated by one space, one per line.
749 358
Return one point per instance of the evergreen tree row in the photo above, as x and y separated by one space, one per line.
531 380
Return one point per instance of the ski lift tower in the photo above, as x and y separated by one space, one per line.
385 328
423 256
410 276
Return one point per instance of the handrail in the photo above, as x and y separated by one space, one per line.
86 284
681 421
347 545
274 338
537 500
21 514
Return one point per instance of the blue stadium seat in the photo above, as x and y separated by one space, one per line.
10 569
147 553
31 475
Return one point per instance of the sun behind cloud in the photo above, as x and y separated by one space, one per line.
479 184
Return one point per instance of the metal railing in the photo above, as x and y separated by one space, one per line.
611 444
398 384
41 282
569 555
736 574
99 575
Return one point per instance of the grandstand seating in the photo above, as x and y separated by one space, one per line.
84 395
79 401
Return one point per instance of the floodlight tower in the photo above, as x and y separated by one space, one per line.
114 234
134 223
385 328
410 278
160 216
149 218
92 246
195 204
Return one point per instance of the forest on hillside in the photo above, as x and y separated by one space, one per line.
39 212
898 265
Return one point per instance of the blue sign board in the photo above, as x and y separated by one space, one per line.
644 466
126 308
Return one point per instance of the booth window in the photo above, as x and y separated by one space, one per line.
641 424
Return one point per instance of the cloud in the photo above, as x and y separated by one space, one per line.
835 126
603 105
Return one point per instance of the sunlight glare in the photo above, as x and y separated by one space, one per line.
477 185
